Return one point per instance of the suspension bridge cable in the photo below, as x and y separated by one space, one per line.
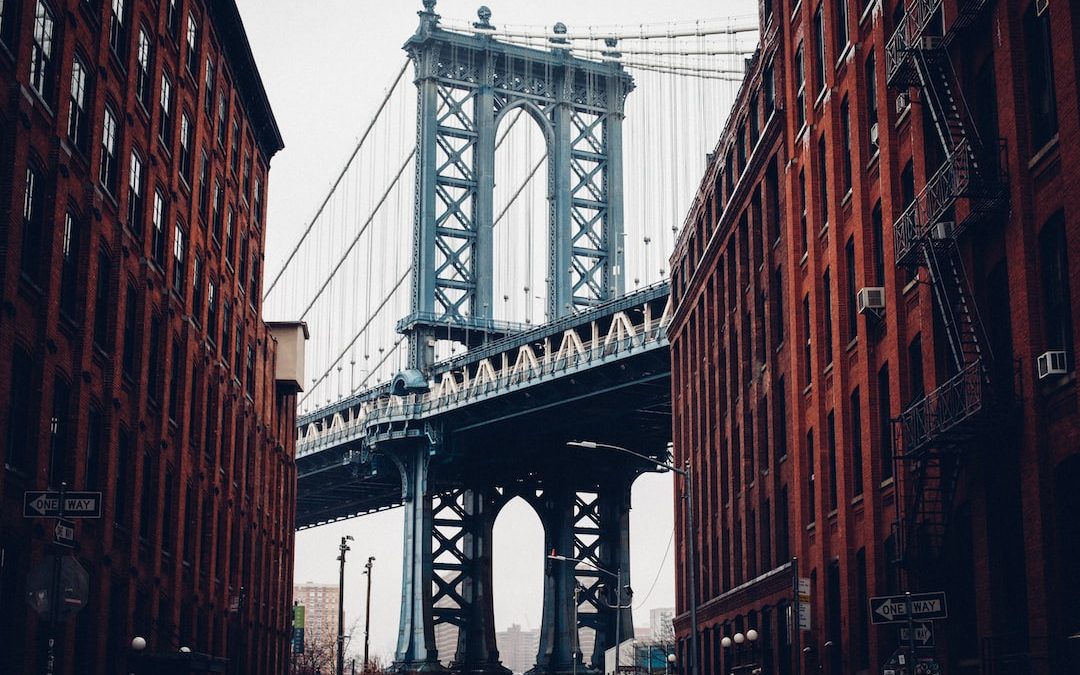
645 33
344 170
383 360
520 189
356 337
363 228
700 51
699 74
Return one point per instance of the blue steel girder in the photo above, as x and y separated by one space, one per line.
465 84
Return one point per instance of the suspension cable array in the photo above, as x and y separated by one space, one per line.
346 274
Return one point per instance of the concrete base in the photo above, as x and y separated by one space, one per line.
417 667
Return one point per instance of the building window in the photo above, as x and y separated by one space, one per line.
247 175
811 490
1041 91
856 470
157 239
861 624
804 230
250 368
102 310
179 269
211 309
879 246
136 201
69 266
885 422
871 102
842 36
916 383
1057 310
95 448
242 277
222 111
827 329
831 436
780 417
59 433
176 384
33 224
845 157
110 165
219 207
118 36
800 91
808 373
20 395
819 44
121 487
256 202
7 22
777 306
143 68
234 151
208 98
165 117
204 184
226 323
41 64
230 246
168 513
769 87
823 181
193 45
131 319
253 293
172 18
185 148
852 290
146 502
77 113
196 288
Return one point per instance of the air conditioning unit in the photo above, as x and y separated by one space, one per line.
903 101
942 230
874 134
870 300
1053 363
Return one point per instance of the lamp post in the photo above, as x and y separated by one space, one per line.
669 663
738 640
617 575
367 613
344 547
691 531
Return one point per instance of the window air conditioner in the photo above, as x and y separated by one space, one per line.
874 134
870 300
1053 363
942 230
902 102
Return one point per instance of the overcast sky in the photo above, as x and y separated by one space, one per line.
325 64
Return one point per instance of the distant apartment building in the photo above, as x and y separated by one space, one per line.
320 603
518 647
660 624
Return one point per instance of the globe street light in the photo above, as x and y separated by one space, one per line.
691 532
617 575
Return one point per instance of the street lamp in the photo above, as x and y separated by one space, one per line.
619 607
670 663
344 548
691 532
367 611
738 640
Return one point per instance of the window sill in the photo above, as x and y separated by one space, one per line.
887 483
823 232
852 345
874 158
903 116
811 527
845 55
1044 152
828 368
807 389
795 11
37 100
910 285
868 11
857 500
804 258
846 199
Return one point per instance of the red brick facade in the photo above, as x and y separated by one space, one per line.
135 138
787 400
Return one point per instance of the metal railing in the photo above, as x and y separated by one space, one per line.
906 37
944 410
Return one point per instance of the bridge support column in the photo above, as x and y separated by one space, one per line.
555 656
613 507
416 651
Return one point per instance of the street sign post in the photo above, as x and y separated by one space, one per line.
64 533
804 603
893 608
924 634
42 504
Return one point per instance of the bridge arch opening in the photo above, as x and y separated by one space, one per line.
518 582
521 216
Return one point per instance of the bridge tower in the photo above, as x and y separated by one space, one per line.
466 84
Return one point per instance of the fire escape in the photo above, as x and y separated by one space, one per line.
967 189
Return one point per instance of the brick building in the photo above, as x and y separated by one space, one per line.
320 603
873 366
135 138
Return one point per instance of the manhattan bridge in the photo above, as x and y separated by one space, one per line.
528 308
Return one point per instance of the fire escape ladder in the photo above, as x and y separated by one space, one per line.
936 476
960 317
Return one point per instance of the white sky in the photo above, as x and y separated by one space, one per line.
325 64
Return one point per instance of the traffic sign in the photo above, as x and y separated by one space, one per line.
71 581
40 504
804 604
64 533
924 634
893 608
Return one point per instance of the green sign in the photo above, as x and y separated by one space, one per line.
298 616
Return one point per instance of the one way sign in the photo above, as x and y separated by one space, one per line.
893 608
76 504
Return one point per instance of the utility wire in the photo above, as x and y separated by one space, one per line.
658 570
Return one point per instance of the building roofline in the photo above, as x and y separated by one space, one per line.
234 41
